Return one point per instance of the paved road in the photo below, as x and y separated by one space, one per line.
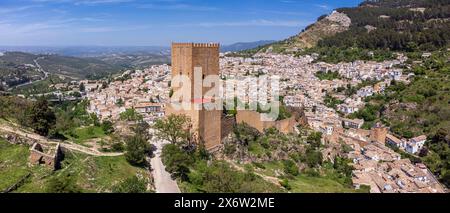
163 181
40 69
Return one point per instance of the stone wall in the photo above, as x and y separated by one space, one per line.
253 119
17 139
227 126
46 155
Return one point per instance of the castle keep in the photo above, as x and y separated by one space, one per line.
187 57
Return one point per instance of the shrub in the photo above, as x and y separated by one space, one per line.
63 184
285 183
131 185
290 167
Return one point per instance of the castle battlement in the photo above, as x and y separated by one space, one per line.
186 56
212 45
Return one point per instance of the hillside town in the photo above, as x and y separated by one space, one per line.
146 91
376 165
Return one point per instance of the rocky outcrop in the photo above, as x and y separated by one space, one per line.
329 26
332 24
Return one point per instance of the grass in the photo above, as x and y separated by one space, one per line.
307 184
92 174
13 163
269 168
304 183
81 135
256 149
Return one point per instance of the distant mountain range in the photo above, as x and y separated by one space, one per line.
244 45
88 51
79 62
107 51
12 66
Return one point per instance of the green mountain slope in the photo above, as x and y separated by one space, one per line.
77 67
396 25
18 67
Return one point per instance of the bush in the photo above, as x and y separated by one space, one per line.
63 184
107 127
285 183
290 167
312 172
131 185
313 157
118 147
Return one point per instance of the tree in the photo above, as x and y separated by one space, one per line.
142 128
177 161
42 118
174 128
314 139
131 115
131 185
136 150
107 127
313 157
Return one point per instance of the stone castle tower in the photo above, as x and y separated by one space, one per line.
185 58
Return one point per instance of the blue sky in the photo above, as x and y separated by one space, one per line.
155 22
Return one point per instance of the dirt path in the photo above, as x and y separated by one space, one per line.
271 179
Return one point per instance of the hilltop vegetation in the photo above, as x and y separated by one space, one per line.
77 67
395 25
376 28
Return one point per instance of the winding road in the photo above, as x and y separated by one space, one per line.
40 69
163 180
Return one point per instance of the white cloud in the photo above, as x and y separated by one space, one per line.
111 29
251 23
84 2
323 6
176 6
16 9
